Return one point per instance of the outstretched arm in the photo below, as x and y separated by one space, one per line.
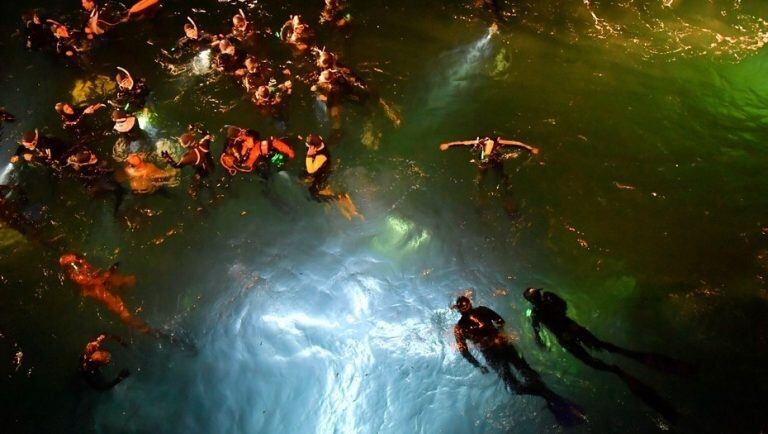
445 146
283 148
516 144
461 343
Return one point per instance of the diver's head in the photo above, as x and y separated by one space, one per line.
123 122
239 21
533 295
134 160
262 92
190 31
63 108
124 79
253 134
326 60
187 140
463 304
60 31
226 47
88 5
326 76
101 357
233 132
315 141
251 63
29 139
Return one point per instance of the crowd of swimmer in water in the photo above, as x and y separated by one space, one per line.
134 167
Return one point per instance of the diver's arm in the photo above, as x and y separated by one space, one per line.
516 144
283 148
461 344
446 146
315 163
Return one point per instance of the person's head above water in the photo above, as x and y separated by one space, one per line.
88 5
123 122
64 108
326 60
239 21
263 92
463 304
124 79
190 31
134 160
29 139
187 140
533 295
315 141
251 63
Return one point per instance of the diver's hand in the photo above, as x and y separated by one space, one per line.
535 151
444 147
14 159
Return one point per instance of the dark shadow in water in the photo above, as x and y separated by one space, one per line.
483 327
551 311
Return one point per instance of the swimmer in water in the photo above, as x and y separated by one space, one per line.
68 42
228 59
317 165
96 284
550 310
488 150
193 37
74 118
333 14
272 95
130 94
296 33
40 150
198 156
94 358
485 329
242 29
146 178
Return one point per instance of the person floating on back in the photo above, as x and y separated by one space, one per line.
484 328
551 311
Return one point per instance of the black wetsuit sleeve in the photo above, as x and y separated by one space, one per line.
461 344
536 323
490 314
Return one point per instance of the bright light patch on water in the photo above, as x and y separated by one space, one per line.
201 64
6 173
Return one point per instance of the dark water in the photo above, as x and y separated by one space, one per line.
646 210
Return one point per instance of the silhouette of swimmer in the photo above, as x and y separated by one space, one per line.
551 311
96 283
484 328
94 358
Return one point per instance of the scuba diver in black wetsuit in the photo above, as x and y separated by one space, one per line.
484 328
95 358
40 150
488 150
551 311
130 95
76 118
198 156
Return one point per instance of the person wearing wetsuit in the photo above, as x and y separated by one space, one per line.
94 358
552 311
41 150
198 156
130 95
38 33
228 59
76 119
484 328
333 14
317 165
488 150
296 33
